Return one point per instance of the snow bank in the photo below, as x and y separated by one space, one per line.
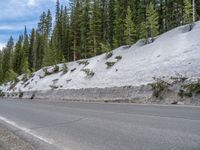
174 52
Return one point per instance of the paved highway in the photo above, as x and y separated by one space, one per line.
92 126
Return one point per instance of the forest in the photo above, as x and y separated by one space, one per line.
86 28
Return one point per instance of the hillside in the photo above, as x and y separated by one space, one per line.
172 53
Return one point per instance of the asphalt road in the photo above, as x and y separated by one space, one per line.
90 126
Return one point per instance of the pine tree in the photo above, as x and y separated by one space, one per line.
187 16
58 31
76 11
39 50
42 25
111 18
130 30
1 69
152 21
25 64
95 29
119 23
32 50
7 68
18 55
65 33
85 29
48 23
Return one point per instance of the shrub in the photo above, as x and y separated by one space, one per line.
83 62
110 64
25 78
179 78
88 72
21 94
193 87
2 94
11 75
118 57
158 87
65 69
56 69
183 93
32 96
73 70
13 84
26 84
105 47
46 72
109 55
53 86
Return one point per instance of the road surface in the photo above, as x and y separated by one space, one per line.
92 126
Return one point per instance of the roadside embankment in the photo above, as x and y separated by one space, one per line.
156 93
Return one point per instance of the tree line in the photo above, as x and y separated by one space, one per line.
86 28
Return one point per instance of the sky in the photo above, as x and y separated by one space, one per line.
15 14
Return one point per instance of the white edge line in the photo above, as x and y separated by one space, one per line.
26 130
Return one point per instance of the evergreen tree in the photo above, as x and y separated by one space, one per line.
95 30
152 21
7 60
32 50
111 18
25 66
1 69
18 55
88 28
48 23
76 34
120 11
187 16
130 30
85 29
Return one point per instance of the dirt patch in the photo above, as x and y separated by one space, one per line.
10 141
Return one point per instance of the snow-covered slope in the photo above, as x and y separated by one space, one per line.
174 52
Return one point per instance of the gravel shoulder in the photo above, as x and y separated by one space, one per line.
10 141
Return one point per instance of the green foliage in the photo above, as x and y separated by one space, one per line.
2 94
152 21
109 55
64 69
11 75
183 93
56 69
91 28
187 16
193 87
73 70
21 94
13 84
105 47
158 87
88 72
118 57
83 62
25 67
54 86
179 79
110 64
25 78
46 72
130 30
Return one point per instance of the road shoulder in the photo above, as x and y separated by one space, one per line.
10 141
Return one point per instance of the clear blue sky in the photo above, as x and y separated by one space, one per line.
15 14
